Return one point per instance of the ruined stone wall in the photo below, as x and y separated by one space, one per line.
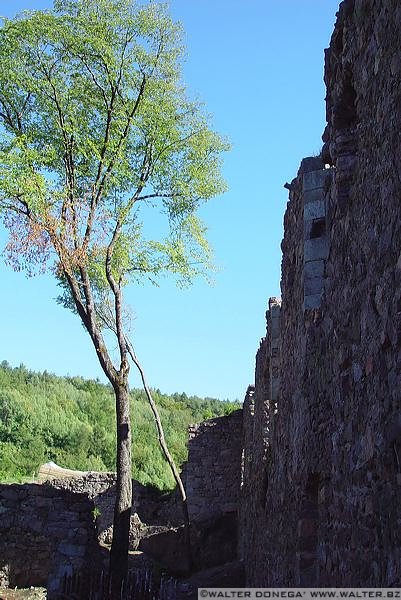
212 479
45 534
331 475
149 506
212 474
260 405
53 528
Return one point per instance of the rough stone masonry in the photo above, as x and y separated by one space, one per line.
313 464
45 533
322 458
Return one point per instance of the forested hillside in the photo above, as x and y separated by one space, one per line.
71 421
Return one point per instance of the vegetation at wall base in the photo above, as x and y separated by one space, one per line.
71 421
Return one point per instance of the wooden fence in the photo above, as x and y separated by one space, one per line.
140 584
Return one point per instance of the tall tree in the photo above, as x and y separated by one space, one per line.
95 129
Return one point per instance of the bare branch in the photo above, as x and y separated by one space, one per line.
25 210
161 195
164 446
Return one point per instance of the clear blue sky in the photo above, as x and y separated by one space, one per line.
258 66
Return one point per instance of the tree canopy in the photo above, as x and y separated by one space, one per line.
95 122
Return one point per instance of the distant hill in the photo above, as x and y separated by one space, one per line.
71 421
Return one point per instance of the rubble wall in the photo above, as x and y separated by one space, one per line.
212 474
45 534
330 477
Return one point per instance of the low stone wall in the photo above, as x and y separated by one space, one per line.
150 508
45 533
53 528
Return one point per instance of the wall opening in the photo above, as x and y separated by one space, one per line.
318 228
345 113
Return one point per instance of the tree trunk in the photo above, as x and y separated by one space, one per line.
122 507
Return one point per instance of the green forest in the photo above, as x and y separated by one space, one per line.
71 421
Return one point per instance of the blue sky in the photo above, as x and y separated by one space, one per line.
258 66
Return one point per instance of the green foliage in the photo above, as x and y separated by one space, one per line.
95 125
71 421
96 512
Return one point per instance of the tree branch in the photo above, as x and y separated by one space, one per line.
175 144
116 289
159 425
96 198
68 143
93 330
161 195
7 116
164 446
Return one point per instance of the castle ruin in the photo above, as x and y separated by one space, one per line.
309 473
322 445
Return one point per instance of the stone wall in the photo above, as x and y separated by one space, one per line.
260 406
53 528
212 479
45 534
212 474
57 527
150 508
326 473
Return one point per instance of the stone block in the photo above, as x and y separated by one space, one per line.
346 161
12 493
313 285
274 326
313 301
314 268
311 163
36 489
36 525
78 538
314 180
42 502
315 249
313 195
71 550
57 530
6 521
308 230
274 313
67 515
314 210
275 386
